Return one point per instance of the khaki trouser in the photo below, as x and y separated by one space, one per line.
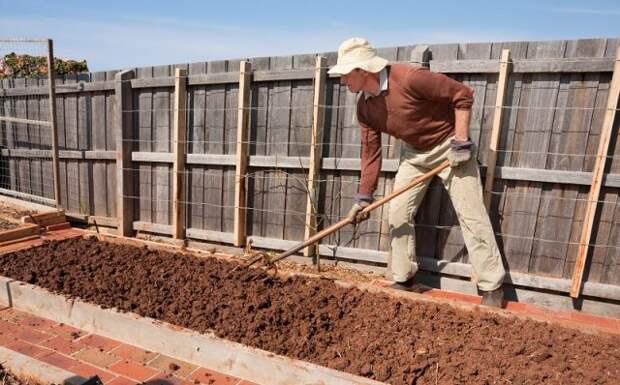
465 189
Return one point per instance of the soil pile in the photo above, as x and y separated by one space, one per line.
373 335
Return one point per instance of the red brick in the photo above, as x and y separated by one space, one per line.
86 370
62 345
41 324
120 380
59 226
59 360
95 341
6 339
33 336
167 379
96 357
133 370
9 328
12 315
133 353
28 349
163 363
67 332
209 377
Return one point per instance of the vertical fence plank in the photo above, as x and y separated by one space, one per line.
51 78
597 178
179 148
318 118
242 155
123 132
504 68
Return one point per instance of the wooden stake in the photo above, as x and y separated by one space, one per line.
123 133
242 156
51 86
504 68
597 178
318 119
180 139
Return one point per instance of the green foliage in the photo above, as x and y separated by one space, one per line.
27 66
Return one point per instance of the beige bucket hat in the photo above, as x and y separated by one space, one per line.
357 53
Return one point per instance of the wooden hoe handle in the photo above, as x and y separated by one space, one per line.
336 226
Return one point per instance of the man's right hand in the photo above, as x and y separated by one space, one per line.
355 215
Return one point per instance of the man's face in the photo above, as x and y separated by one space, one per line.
354 80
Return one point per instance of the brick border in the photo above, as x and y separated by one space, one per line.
22 365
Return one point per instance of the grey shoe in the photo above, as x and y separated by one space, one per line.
493 298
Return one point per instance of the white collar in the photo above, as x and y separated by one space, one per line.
383 84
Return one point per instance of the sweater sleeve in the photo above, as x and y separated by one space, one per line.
370 161
428 85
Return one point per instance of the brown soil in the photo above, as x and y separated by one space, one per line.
373 335
7 378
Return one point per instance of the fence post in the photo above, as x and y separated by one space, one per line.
502 81
51 86
318 119
123 121
597 178
242 156
180 141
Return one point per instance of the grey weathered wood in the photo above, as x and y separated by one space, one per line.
420 55
196 145
123 127
51 83
25 121
71 135
597 178
213 78
179 150
159 228
283 75
531 141
155 82
99 180
534 65
210 235
28 197
567 136
242 155
215 139
162 132
144 172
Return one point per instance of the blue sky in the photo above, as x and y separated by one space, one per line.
118 34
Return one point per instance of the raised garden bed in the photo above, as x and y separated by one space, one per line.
370 334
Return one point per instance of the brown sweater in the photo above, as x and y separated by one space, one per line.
418 108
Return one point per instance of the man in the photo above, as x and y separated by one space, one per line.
430 113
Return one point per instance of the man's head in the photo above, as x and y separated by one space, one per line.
358 65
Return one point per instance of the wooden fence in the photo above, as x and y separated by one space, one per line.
137 155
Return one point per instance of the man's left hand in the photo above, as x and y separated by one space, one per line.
460 152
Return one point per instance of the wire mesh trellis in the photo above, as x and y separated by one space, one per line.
281 117
27 124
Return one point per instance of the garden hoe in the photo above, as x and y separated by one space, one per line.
269 262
